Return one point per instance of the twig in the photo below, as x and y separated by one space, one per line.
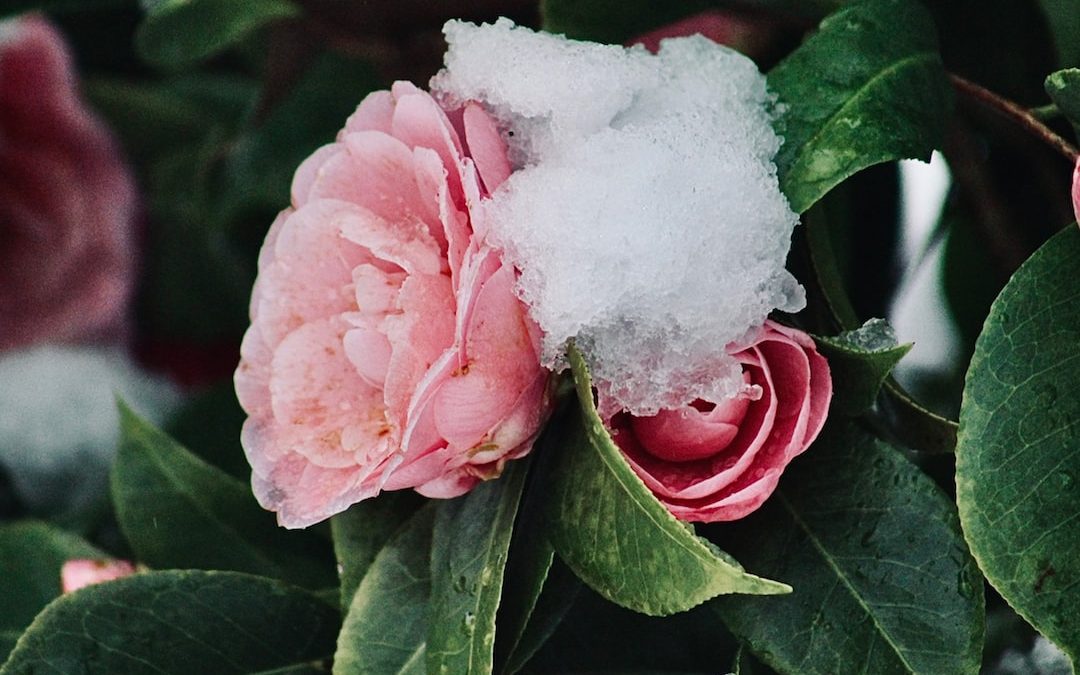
1018 114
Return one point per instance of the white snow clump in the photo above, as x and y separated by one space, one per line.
644 213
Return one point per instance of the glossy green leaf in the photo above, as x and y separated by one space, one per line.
180 33
597 636
1064 88
868 87
618 538
178 511
468 558
263 158
31 555
538 589
908 419
362 531
182 622
883 581
386 627
154 117
550 600
860 360
1017 459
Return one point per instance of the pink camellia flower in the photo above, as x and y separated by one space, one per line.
76 574
748 33
387 349
711 462
67 201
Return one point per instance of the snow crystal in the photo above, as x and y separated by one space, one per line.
645 215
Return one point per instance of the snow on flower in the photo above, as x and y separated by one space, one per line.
644 212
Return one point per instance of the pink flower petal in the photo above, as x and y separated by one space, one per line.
375 113
486 147
76 574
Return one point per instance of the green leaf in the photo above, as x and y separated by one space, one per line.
1017 465
263 159
881 574
1064 88
861 359
618 538
362 531
539 608
468 557
868 87
599 637
180 622
153 117
386 627
178 511
909 420
538 590
31 555
209 424
181 33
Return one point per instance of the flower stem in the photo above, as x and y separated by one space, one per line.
1014 112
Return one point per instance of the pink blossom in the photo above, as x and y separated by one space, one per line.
76 574
67 201
749 34
720 461
387 349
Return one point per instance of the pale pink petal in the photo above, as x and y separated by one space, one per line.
303 494
375 171
486 147
310 275
420 122
453 484
500 364
408 244
315 390
369 351
252 377
76 574
420 334
308 172
375 113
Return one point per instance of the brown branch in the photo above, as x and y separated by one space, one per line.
1016 113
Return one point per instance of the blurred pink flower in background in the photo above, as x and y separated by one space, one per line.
387 349
748 34
76 574
67 200
720 461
